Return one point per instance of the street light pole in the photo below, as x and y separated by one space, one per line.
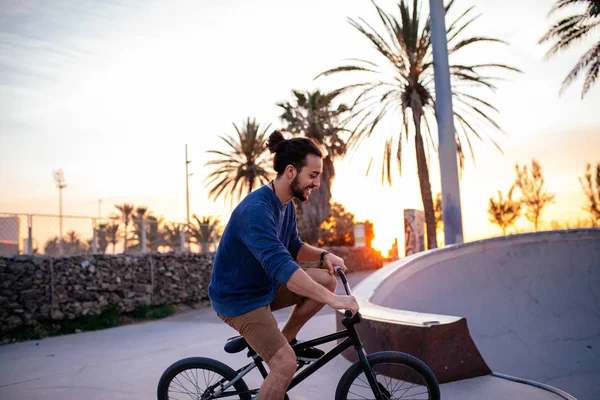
451 209
187 192
59 179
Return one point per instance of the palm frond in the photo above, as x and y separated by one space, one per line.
380 44
567 32
387 162
454 30
459 95
565 3
399 153
592 74
471 40
345 68
591 56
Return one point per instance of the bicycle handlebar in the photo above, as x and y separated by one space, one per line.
340 272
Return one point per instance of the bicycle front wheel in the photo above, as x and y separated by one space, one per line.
398 375
199 378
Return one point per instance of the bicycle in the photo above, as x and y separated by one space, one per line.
387 374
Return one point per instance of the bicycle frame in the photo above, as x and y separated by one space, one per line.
351 339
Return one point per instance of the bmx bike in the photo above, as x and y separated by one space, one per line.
384 375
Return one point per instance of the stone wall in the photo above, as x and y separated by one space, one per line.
54 288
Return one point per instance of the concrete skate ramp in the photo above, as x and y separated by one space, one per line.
531 303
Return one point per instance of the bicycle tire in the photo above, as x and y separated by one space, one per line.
409 363
204 364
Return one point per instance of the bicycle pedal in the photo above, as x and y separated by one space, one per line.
302 363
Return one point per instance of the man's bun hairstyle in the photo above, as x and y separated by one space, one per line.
291 151
276 140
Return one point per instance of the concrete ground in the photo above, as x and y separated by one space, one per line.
125 363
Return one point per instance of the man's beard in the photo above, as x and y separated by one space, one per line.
299 192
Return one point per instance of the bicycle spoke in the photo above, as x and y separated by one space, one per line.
356 394
187 384
409 386
194 383
176 380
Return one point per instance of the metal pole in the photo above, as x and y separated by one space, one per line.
182 236
451 208
30 234
187 192
60 218
59 179
94 237
144 247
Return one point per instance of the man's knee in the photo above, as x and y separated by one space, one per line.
331 282
284 362
323 278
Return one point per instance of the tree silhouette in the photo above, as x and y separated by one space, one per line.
533 194
504 212
338 230
591 188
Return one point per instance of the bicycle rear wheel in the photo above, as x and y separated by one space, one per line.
399 376
199 378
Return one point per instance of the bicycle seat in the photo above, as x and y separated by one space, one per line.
235 344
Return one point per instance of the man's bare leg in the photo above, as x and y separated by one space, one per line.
282 367
305 311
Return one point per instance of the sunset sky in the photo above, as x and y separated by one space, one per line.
111 91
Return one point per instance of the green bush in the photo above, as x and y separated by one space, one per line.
108 318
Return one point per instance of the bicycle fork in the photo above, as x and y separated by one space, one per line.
362 355
364 361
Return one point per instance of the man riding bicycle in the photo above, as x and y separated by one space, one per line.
255 270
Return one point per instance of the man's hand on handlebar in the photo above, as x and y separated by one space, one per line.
343 302
331 260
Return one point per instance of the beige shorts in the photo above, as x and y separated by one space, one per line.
260 328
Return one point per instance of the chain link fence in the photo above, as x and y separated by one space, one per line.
39 234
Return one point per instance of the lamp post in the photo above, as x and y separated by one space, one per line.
451 209
59 180
187 194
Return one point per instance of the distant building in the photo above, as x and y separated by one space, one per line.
414 231
10 236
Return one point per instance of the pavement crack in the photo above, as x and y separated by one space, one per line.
18 383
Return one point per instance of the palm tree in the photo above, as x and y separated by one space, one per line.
407 56
571 29
244 166
172 235
591 187
126 211
204 230
74 244
102 237
112 232
312 115
155 234
140 215
51 246
504 212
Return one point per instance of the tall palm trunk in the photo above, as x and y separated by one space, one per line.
424 182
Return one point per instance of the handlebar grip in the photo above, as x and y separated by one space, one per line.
348 314
340 272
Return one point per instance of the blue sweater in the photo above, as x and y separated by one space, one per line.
256 252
